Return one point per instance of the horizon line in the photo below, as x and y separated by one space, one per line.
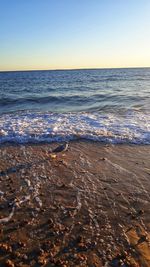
61 69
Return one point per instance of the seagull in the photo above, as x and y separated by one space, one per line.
61 148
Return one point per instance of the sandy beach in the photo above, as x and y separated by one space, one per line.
87 206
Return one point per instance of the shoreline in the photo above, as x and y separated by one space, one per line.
88 206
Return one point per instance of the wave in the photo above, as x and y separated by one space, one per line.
25 127
80 102
43 100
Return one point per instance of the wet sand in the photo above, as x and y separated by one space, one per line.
88 206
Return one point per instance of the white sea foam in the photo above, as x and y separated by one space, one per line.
131 127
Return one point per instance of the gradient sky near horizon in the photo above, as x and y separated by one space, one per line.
60 34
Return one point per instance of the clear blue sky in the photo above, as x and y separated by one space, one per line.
55 34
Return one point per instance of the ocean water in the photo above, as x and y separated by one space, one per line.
106 105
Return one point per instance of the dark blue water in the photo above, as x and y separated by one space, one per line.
110 105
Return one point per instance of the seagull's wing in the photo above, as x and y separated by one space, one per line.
58 149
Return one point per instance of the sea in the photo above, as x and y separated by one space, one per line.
105 105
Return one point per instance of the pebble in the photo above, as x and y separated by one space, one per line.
50 222
109 257
24 256
16 254
40 252
21 244
4 248
9 263
42 260
102 158
82 247
79 239
140 212
82 257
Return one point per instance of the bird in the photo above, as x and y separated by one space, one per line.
61 148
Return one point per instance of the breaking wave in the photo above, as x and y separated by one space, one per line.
25 127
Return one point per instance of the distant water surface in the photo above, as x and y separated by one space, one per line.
110 105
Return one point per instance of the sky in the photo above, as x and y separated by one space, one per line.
72 34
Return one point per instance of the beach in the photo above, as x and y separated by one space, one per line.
87 206
75 134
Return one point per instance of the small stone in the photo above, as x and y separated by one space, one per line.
42 260
79 239
22 244
102 158
78 223
82 257
4 248
16 254
32 263
24 222
140 212
142 239
40 252
82 247
25 257
109 257
9 263
50 221
59 263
